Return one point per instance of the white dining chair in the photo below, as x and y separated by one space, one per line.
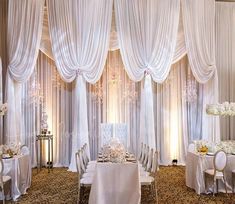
4 181
233 179
217 173
144 154
150 161
83 180
149 180
141 151
24 150
146 159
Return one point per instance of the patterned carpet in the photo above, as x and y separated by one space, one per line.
60 186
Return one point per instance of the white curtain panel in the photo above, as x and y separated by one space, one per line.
199 33
45 45
23 41
178 122
79 31
225 59
46 91
180 49
147 33
113 99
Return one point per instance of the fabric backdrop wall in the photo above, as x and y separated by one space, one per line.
225 57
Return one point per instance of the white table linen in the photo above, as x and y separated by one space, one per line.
116 183
19 169
196 164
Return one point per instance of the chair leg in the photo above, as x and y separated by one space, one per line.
217 185
232 182
3 195
205 177
214 183
225 186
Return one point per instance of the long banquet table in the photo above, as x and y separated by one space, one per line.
19 169
196 164
116 183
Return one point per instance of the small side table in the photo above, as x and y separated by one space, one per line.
39 140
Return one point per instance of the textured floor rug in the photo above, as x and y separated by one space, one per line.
60 186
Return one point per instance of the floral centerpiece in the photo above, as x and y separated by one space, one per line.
224 109
9 150
115 151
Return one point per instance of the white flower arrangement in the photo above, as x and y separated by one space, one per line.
3 109
224 109
8 150
115 151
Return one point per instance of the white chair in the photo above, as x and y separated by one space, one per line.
106 133
150 161
82 181
141 151
149 180
233 179
217 173
88 162
120 132
4 181
24 150
143 154
146 158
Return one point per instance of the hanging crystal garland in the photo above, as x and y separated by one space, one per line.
130 93
190 89
98 92
35 94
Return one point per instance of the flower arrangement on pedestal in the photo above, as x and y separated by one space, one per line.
115 151
224 109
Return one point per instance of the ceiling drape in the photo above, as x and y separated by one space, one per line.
79 31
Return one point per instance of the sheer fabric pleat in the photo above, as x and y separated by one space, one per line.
199 31
23 42
225 59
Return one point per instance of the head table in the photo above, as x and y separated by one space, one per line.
19 169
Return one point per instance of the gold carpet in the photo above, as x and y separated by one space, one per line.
60 186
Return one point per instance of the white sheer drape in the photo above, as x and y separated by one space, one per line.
199 33
79 33
24 34
225 59
114 99
45 90
147 32
178 122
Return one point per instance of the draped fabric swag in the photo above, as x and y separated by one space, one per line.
24 35
199 33
151 35
147 32
79 33
225 56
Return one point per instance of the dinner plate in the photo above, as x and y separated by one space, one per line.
210 153
130 159
6 156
